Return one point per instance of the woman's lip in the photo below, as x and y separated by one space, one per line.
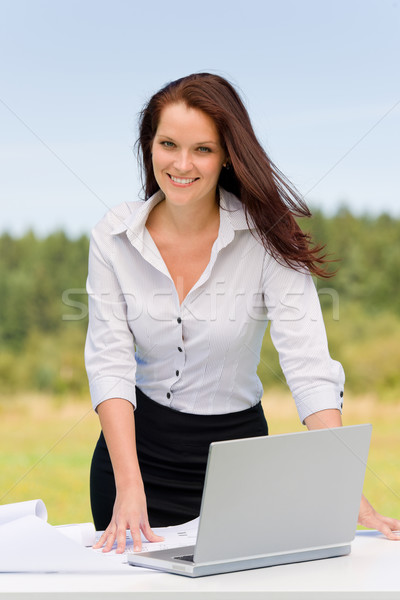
182 181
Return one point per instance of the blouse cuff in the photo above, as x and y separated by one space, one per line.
320 398
105 388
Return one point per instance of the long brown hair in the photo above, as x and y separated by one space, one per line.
270 202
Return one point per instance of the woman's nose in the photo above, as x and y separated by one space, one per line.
183 162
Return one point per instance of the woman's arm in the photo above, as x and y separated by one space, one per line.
130 509
367 516
111 367
324 419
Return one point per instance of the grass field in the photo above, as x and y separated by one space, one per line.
47 443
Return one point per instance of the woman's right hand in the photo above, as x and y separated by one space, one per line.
130 512
130 508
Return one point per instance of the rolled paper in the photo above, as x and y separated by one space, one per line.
83 533
10 512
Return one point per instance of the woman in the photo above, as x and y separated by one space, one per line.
181 288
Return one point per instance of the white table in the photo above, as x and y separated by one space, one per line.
370 572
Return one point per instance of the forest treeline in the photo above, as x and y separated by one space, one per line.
43 314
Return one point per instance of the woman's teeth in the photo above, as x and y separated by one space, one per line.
182 180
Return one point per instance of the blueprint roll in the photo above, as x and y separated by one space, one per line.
10 512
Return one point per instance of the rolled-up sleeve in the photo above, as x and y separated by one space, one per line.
109 350
298 333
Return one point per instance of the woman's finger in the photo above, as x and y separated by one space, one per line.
149 533
121 541
137 539
101 539
389 527
110 541
386 525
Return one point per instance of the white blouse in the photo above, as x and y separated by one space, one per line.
201 356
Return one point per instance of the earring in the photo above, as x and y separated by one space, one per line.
227 165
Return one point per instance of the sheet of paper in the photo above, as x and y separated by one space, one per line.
174 536
83 533
30 544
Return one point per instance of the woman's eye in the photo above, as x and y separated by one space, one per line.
167 144
204 149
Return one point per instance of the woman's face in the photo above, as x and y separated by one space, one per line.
187 155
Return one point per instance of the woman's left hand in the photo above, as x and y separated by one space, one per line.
368 517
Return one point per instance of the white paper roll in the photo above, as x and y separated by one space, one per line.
83 533
10 512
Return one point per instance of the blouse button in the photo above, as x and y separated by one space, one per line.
180 349
168 395
179 320
177 373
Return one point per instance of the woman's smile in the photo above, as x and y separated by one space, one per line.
182 181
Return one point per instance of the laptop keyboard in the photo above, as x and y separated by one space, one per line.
188 558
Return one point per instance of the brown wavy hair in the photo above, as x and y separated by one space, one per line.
270 202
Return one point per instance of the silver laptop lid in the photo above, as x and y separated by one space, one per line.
282 493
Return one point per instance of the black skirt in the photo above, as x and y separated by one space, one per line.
172 449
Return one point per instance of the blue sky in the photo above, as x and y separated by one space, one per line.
320 79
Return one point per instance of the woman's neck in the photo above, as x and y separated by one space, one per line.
184 220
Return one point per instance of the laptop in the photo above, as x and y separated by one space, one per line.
274 500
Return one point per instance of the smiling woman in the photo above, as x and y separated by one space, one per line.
211 255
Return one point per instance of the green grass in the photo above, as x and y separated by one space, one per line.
47 445
46 452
